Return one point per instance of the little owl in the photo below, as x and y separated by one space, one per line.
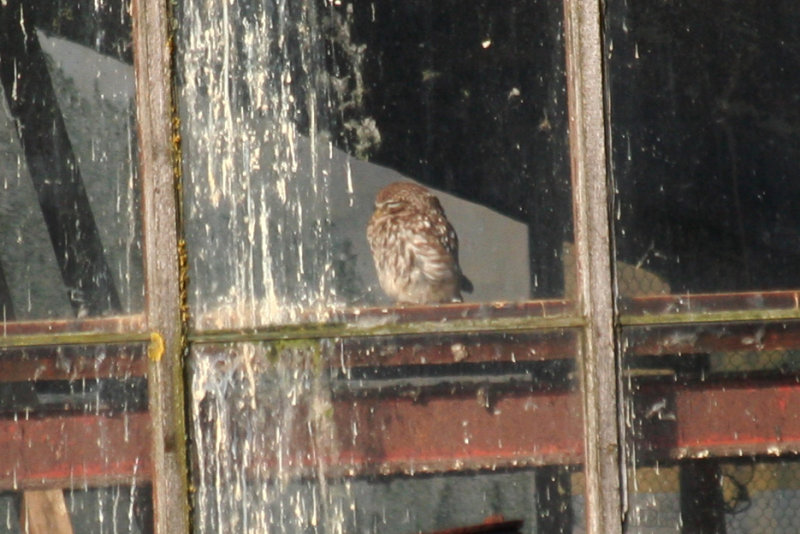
414 247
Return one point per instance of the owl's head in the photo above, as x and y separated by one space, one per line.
403 195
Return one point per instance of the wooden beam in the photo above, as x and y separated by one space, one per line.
52 329
45 512
388 434
708 338
464 348
159 149
592 200
710 303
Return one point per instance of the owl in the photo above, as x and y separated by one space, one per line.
414 247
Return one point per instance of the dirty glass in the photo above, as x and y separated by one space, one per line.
314 404
76 439
76 431
702 122
295 114
703 126
711 427
401 434
70 232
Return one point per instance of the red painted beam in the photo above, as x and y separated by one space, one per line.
454 348
462 431
457 432
72 362
75 451
706 338
443 433
400 435
112 324
713 420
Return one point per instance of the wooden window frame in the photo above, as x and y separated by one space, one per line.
163 326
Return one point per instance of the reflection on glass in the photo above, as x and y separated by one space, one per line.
711 428
703 125
294 117
386 435
70 236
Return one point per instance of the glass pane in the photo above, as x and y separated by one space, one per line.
113 509
76 436
295 115
402 434
712 429
70 234
703 121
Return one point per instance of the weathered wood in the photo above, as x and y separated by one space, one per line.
591 202
45 512
158 146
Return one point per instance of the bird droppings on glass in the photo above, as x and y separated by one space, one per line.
283 160
75 425
287 139
303 437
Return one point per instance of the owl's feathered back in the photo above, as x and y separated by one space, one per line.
414 246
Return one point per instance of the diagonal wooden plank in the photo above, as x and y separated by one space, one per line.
45 512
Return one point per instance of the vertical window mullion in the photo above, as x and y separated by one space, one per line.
152 64
592 234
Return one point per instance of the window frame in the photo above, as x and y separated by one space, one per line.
150 342
164 323
165 271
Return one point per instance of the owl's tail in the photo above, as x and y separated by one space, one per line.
466 284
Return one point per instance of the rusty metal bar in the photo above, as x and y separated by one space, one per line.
705 420
519 430
532 429
584 45
30 364
152 63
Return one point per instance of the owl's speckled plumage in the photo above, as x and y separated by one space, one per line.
414 247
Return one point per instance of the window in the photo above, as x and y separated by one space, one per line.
192 315
323 106
85 409
705 260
